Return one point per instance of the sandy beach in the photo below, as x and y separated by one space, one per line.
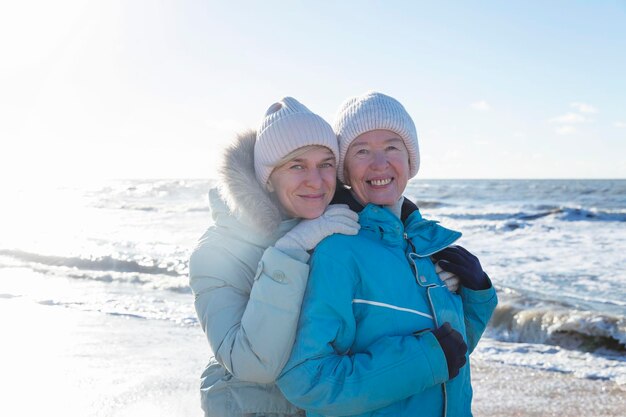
62 361
508 391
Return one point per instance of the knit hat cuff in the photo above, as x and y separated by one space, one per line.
286 134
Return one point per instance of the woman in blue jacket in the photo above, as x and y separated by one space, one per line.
379 331
249 270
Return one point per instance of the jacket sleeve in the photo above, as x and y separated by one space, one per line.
250 330
478 307
325 376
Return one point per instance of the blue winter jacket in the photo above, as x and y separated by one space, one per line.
364 345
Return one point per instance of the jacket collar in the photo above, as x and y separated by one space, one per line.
344 196
243 226
426 236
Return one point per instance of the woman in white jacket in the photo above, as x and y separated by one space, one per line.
249 270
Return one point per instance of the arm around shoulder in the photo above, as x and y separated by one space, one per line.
249 318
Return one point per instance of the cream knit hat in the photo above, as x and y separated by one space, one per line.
287 126
374 111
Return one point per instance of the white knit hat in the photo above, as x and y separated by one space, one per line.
374 111
287 126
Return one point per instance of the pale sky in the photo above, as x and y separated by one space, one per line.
153 89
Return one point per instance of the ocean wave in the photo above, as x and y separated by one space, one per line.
604 366
557 325
129 308
520 219
429 204
102 263
576 214
8 296
177 196
163 208
179 285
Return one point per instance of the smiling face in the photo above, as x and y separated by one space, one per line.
377 167
305 184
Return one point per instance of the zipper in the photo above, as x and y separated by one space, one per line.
408 255
430 301
443 385
445 399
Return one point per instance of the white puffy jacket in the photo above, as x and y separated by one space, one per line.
247 293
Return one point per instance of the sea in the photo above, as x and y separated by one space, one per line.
554 249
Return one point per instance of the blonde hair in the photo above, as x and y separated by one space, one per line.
298 152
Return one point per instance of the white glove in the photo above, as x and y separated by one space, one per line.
337 218
451 280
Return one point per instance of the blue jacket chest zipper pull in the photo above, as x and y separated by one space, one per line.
411 255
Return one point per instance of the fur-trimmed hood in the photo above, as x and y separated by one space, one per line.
240 189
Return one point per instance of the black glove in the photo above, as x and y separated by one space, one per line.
463 264
453 347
